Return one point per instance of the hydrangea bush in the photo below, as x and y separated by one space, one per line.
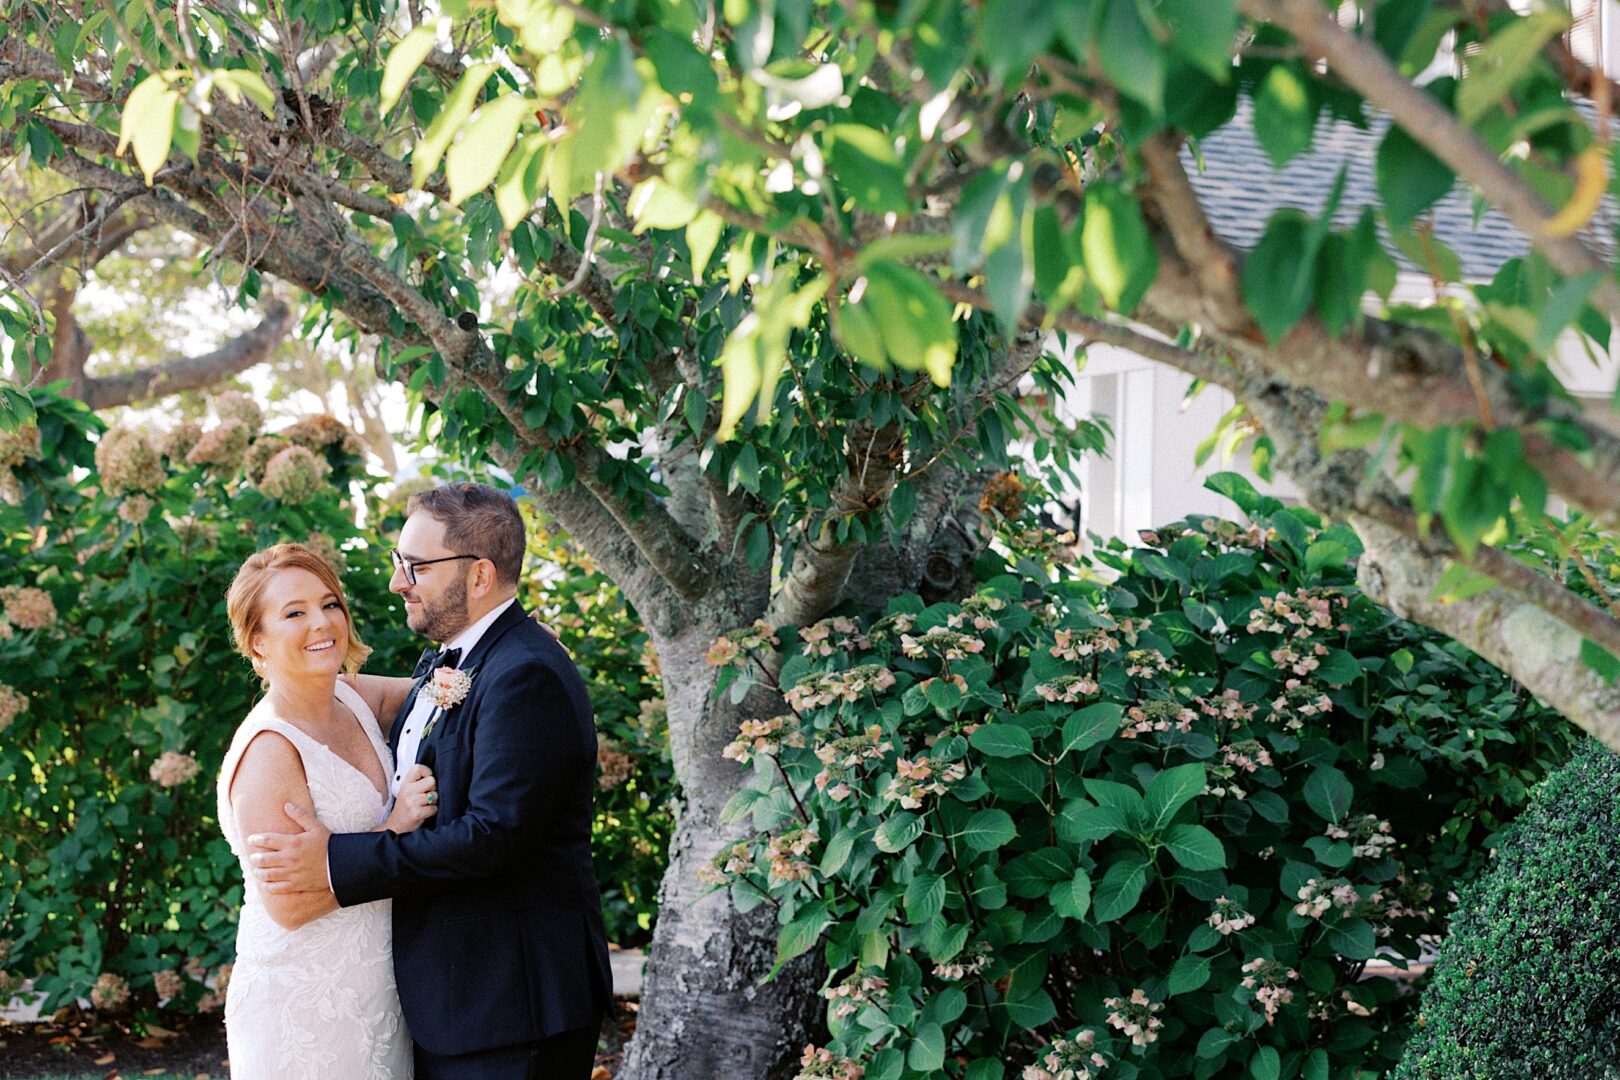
1152 818
120 688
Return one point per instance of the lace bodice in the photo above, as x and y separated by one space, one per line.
319 1001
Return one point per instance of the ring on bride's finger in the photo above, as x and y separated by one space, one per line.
433 798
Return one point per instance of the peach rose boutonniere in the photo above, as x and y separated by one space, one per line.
446 688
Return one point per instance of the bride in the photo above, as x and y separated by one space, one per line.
312 994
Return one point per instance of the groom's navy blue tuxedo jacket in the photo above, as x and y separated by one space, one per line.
498 933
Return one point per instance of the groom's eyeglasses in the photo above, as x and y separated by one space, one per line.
408 566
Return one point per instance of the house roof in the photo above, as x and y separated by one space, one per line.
1240 189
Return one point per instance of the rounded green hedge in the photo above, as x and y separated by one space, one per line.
1528 980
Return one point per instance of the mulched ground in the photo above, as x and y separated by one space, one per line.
75 1046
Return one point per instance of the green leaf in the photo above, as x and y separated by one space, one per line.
1072 898
837 852
1002 741
1325 553
702 236
1505 58
1410 179
1317 1066
426 155
658 204
1032 1012
1329 792
147 122
1213 1043
1353 940
866 166
238 84
1189 973
913 319
1172 789
800 935
1266 1064
925 897
1284 113
1203 32
989 829
1119 254
898 832
1195 847
1131 58
403 60
476 158
1080 820
1090 726
1279 277
1120 889
1600 660
927 1053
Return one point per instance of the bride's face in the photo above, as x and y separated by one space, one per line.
302 630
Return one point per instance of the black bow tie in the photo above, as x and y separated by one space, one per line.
433 659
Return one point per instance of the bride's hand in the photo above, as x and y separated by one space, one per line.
417 801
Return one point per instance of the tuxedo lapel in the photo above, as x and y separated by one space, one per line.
511 617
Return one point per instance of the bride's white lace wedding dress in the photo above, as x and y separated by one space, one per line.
319 1002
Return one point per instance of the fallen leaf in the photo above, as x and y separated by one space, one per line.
149 1043
105 1059
160 1032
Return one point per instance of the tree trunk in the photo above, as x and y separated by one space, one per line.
706 1011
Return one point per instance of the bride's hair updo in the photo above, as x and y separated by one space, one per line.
244 601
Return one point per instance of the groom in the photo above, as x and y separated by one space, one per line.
499 950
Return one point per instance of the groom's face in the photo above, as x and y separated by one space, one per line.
436 606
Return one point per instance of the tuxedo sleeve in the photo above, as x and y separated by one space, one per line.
520 769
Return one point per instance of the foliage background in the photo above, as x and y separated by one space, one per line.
1208 773
114 878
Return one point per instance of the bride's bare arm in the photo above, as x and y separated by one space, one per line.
384 695
271 775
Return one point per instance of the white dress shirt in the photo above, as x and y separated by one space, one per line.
422 710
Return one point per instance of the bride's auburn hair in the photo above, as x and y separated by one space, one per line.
244 601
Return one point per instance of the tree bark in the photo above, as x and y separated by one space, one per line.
706 1007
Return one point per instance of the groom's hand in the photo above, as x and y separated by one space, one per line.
292 862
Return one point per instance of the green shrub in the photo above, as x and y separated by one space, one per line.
114 879
1155 819
120 688
1528 979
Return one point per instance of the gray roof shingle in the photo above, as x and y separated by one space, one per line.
1240 190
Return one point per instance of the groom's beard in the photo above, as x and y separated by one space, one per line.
442 619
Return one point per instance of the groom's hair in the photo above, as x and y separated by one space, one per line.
478 520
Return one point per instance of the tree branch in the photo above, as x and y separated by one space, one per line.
1361 65
192 372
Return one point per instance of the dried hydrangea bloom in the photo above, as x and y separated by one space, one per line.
28 608
259 454
235 405
172 769
13 703
17 447
168 984
127 461
294 476
110 993
323 431
202 535
135 509
613 766
178 441
222 448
